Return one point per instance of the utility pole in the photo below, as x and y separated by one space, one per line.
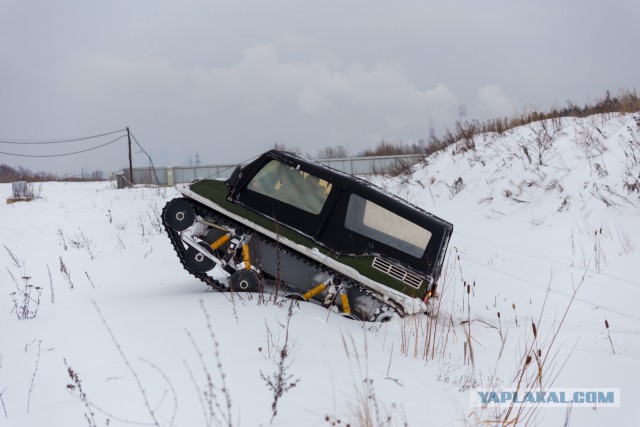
130 162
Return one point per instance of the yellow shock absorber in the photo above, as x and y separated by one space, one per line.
313 292
246 256
221 241
345 303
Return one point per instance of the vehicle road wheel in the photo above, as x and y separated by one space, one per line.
197 261
179 215
244 281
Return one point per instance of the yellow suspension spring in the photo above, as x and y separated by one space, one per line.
345 303
221 241
313 292
246 256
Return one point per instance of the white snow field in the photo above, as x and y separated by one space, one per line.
546 216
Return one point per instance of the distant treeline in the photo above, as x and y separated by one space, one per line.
13 174
626 101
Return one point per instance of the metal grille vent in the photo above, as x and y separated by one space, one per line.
397 272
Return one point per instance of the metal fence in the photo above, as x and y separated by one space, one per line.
171 175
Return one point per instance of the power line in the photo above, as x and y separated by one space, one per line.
56 141
150 160
153 168
65 154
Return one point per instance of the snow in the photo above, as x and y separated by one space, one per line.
123 316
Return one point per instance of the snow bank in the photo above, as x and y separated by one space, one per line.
543 207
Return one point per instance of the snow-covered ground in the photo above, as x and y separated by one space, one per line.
542 214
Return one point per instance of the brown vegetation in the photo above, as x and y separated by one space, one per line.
13 174
626 101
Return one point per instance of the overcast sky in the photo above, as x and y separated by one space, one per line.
229 79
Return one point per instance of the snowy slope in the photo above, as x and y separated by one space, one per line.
117 307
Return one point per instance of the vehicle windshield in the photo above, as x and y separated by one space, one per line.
291 186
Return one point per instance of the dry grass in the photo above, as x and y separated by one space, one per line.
546 123
364 407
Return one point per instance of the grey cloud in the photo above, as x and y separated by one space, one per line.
229 79
384 90
492 101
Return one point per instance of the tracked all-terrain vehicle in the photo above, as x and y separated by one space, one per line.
289 225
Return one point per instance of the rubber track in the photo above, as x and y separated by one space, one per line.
206 212
178 246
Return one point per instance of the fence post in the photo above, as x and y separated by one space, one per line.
170 176
130 162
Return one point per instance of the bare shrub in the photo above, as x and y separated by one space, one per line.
26 297
26 300
626 242
456 187
23 190
626 101
152 411
214 395
388 148
32 385
543 138
591 146
606 325
143 231
81 241
335 152
632 184
281 381
398 167
75 386
525 150
154 217
598 254
66 273
63 240
466 132
631 146
538 366
89 279
53 295
280 146
365 409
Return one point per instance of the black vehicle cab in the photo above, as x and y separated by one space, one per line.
349 217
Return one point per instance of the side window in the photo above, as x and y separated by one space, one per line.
377 223
291 186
